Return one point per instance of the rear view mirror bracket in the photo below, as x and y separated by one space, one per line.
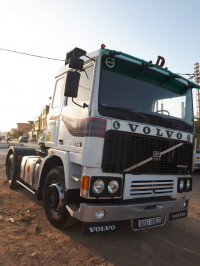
76 63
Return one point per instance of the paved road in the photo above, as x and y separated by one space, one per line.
4 144
177 243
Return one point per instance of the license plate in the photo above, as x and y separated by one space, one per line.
177 215
138 224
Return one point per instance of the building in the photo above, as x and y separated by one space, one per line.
25 127
37 129
43 117
41 121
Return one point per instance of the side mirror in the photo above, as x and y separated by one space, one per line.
72 83
76 63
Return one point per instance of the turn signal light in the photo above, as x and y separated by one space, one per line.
85 180
48 136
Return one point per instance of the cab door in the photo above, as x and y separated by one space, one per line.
53 121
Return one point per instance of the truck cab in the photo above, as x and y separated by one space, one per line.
119 144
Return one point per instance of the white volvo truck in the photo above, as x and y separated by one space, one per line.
119 144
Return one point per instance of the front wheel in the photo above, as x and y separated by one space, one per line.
54 198
10 172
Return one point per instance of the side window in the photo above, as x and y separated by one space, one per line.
85 85
58 93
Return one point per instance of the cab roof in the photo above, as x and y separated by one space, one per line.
161 76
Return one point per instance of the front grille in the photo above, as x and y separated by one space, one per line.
123 150
151 188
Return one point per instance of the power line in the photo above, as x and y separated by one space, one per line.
50 58
44 57
185 74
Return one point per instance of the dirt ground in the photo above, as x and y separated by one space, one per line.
27 238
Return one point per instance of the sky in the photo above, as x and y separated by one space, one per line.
49 28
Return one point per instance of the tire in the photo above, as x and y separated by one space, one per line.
10 172
54 198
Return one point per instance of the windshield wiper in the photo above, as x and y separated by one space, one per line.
168 120
183 123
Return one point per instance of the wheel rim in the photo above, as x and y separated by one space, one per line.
55 197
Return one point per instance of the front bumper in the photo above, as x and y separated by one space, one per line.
118 212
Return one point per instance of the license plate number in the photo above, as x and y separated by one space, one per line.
138 224
149 222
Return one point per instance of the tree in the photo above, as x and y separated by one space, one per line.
16 134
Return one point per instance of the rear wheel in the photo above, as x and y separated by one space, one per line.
10 172
54 198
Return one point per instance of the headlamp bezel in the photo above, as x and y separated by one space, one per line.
105 193
185 189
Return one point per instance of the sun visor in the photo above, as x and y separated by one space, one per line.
147 72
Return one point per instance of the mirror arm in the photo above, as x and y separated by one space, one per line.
86 73
90 58
82 106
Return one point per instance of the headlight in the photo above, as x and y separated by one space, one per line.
105 187
181 185
113 186
98 186
184 184
188 184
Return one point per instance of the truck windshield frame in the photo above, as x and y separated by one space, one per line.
129 92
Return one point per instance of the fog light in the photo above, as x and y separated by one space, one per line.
185 204
100 214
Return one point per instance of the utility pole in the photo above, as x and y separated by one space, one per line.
197 80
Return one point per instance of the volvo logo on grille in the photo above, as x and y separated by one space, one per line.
156 155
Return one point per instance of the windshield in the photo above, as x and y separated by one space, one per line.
125 94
